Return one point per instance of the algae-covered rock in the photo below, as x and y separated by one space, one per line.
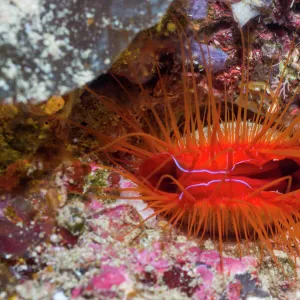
72 217
7 154
53 46
13 143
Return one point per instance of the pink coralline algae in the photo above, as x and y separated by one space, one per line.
14 241
115 257
19 227
151 259
230 265
182 267
109 277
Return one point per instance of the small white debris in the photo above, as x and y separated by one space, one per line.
38 249
41 235
281 255
54 238
209 245
107 61
181 239
59 296
78 220
3 295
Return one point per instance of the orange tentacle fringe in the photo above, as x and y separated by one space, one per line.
223 176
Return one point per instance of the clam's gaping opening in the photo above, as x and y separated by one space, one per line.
216 170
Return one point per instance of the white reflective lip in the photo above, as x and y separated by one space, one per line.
215 181
206 170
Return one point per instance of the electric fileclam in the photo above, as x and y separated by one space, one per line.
221 172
